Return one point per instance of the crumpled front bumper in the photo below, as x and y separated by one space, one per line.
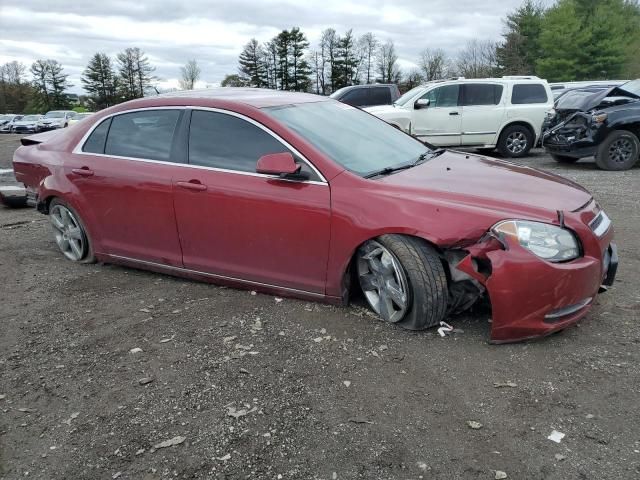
531 297
575 137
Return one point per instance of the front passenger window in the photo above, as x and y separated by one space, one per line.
446 96
224 141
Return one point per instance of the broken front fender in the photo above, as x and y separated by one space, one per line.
531 297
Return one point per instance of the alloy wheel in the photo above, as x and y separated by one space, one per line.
621 150
383 281
516 142
68 233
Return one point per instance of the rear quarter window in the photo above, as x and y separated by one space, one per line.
97 139
528 93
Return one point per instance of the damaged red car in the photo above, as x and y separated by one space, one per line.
300 195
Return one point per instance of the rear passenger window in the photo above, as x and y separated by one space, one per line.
218 140
481 94
95 142
379 96
528 93
357 97
146 134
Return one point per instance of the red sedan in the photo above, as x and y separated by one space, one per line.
296 194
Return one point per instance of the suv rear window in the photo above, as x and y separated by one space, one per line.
528 93
356 97
379 96
481 94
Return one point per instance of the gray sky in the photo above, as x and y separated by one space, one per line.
214 32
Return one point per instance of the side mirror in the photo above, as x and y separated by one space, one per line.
277 164
421 103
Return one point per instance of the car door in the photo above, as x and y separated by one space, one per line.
239 224
439 122
122 175
483 110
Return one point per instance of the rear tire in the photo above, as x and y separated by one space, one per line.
564 158
69 233
403 281
619 151
515 141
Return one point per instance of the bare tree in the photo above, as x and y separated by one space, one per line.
478 59
368 45
190 75
433 64
329 44
387 63
411 79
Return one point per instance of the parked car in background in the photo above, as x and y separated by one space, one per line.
56 119
7 122
27 124
558 88
504 113
297 194
79 116
605 124
367 95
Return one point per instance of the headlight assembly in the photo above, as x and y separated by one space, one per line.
549 242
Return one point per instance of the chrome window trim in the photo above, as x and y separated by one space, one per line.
78 148
213 275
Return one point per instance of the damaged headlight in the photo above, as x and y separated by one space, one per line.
549 242
599 117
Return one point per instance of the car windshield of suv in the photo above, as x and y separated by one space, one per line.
338 92
352 138
408 96
54 115
31 118
632 87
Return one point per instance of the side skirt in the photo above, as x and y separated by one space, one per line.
217 279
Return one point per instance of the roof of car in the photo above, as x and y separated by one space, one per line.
256 97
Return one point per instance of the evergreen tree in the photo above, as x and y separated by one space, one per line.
300 67
39 70
100 81
134 73
518 53
252 64
346 63
58 83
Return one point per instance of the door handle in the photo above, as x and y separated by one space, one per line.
454 113
83 172
192 185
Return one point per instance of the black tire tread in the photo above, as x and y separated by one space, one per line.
427 280
502 142
602 156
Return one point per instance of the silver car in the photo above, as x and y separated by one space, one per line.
56 119
28 124
7 121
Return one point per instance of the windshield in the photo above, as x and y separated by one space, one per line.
31 118
408 96
632 87
352 138
54 115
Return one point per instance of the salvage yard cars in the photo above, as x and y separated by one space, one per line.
300 195
56 119
504 113
27 124
605 124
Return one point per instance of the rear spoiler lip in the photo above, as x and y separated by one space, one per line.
38 138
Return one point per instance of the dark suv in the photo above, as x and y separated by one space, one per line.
605 124
367 95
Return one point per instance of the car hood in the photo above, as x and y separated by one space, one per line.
26 122
381 109
584 101
490 184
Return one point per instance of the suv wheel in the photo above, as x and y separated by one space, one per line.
619 151
564 158
515 141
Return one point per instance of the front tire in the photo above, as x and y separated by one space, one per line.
69 233
403 280
619 151
515 141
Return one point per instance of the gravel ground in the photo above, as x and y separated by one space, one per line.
250 386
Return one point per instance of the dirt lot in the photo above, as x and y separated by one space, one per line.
319 392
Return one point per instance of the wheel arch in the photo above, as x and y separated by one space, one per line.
523 123
348 272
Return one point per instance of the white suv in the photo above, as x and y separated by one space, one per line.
504 113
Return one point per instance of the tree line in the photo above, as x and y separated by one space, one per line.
570 40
